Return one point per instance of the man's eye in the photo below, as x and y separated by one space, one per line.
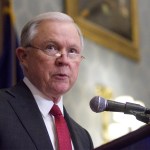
73 51
51 48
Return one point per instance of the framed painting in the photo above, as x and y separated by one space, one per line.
111 23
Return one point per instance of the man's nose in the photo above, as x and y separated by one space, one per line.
63 58
63 54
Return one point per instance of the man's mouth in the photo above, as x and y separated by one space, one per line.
61 76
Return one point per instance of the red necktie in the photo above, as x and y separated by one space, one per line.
64 140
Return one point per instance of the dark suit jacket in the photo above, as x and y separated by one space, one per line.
22 126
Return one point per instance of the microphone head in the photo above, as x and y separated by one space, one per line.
98 104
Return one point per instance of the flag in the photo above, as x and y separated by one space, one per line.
10 70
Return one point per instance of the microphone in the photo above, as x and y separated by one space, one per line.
99 104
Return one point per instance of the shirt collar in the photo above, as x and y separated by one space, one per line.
44 103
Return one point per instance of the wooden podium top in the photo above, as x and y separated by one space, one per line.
136 140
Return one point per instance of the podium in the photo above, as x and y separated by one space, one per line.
136 140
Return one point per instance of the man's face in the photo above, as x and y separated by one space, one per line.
53 76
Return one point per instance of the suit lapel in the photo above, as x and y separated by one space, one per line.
73 131
29 115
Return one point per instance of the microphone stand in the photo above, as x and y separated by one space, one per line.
141 116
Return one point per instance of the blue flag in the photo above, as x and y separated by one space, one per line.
10 70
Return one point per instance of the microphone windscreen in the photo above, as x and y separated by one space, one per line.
98 104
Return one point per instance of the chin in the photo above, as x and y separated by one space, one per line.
62 91
62 88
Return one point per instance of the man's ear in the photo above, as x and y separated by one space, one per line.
22 55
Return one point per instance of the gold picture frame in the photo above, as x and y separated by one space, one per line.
111 23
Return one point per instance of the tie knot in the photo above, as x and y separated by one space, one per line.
55 111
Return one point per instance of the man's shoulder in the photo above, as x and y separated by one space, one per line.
10 92
3 92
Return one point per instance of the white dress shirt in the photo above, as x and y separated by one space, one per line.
45 105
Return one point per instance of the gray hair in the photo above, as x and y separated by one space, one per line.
30 29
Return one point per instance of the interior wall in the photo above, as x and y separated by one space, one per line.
101 66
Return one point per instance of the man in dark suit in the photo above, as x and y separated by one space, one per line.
50 56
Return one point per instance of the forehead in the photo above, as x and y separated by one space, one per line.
57 27
60 30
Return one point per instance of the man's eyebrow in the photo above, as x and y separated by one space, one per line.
75 46
71 45
49 41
